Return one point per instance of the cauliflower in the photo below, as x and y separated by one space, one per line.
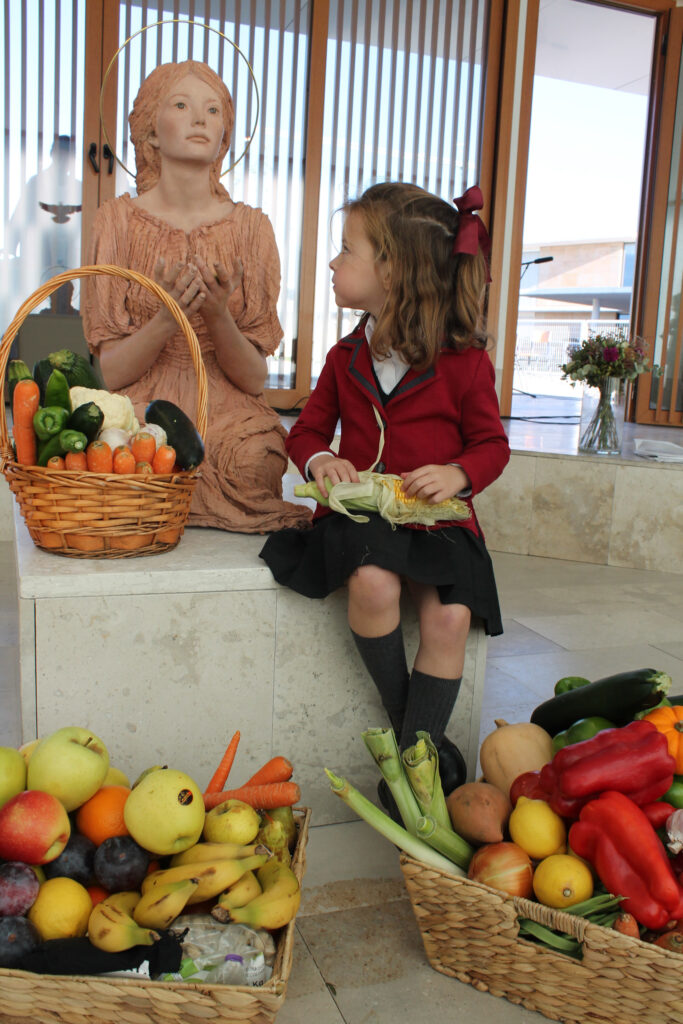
118 409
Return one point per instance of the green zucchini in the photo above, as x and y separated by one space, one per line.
88 419
16 371
75 367
617 697
181 432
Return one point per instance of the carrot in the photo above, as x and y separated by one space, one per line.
278 769
143 446
273 794
143 467
124 460
25 404
164 459
220 776
76 460
56 462
99 457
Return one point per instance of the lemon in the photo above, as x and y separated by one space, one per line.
561 881
61 909
536 827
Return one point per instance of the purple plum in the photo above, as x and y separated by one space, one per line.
19 887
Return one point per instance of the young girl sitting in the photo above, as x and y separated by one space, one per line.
417 358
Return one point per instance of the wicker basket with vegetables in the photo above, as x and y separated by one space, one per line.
90 481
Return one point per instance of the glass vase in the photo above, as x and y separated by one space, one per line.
602 418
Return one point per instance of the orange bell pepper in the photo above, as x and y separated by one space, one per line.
669 721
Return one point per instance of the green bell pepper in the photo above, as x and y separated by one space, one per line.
60 444
674 795
568 683
49 420
584 729
57 391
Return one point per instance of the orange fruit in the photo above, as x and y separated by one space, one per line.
101 817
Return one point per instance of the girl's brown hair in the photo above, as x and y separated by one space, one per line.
143 120
434 299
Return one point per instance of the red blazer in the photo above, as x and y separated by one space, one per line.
448 413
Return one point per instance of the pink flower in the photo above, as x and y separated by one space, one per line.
610 354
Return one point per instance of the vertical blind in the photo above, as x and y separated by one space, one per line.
403 101
272 36
42 83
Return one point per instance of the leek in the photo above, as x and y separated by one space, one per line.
383 746
421 764
383 824
445 840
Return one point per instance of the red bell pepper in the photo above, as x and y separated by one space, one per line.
656 812
615 836
632 760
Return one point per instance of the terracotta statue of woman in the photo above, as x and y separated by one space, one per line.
219 261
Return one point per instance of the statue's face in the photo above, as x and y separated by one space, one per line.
189 124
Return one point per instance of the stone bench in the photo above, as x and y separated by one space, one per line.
165 656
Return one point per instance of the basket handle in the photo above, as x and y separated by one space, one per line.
92 271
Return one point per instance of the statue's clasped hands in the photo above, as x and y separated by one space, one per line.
198 288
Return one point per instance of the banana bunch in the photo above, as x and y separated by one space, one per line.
161 904
212 876
274 907
215 851
112 928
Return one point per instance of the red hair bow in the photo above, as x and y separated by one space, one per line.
471 235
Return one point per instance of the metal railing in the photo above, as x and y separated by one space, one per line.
542 344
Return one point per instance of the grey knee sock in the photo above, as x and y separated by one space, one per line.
385 659
430 703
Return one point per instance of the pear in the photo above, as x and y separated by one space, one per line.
273 834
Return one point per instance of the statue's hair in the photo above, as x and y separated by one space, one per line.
143 120
434 299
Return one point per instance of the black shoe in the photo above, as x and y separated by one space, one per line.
388 803
452 766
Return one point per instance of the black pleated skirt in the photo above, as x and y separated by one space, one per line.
316 561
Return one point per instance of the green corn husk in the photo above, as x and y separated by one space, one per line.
421 765
382 493
446 841
383 824
383 746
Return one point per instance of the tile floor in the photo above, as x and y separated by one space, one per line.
358 956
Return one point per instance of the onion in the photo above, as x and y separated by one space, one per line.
503 866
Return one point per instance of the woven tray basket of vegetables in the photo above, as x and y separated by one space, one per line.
555 879
90 480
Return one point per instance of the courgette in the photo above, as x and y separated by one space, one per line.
617 697
181 432
88 419
16 371
75 367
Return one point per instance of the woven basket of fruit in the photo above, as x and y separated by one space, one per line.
83 508
156 902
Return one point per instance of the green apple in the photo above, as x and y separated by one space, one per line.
70 763
233 821
26 749
164 812
115 777
12 773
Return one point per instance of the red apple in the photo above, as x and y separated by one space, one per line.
34 827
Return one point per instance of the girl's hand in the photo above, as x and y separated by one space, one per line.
337 470
435 483
183 282
218 285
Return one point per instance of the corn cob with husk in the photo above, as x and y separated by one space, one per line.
383 493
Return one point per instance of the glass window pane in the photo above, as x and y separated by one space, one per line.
41 110
403 101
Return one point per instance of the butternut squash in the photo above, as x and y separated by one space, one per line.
513 749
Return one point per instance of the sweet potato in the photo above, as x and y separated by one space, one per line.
479 812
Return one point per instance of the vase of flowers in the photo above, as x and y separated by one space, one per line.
603 363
